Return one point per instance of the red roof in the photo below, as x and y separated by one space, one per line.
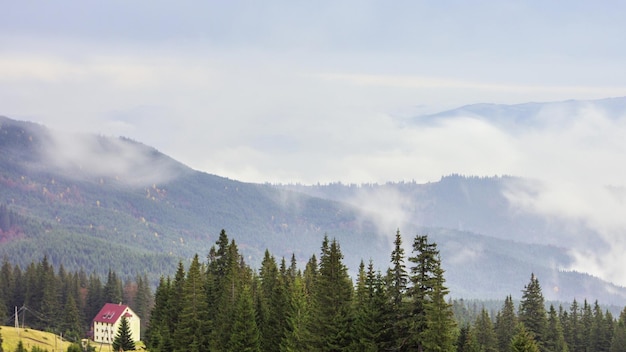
110 313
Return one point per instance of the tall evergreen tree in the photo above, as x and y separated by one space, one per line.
439 332
113 291
599 336
364 328
425 274
228 288
618 343
554 339
573 332
506 321
245 336
523 341
72 322
159 333
485 334
332 298
123 340
272 304
532 311
297 334
396 324
193 327
586 322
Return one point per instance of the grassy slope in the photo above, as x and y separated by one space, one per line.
45 340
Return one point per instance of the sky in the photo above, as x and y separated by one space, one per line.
327 91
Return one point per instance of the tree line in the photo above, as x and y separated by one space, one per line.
65 302
221 304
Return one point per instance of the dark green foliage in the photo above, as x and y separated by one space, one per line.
273 302
506 321
554 340
20 347
74 347
1 349
618 343
332 298
484 332
297 334
532 311
123 340
432 323
245 336
524 341
193 327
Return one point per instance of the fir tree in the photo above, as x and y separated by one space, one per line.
586 322
573 333
395 330
245 335
332 297
193 327
439 330
618 343
364 323
426 273
273 304
554 340
123 340
484 332
523 341
532 311
297 335
506 321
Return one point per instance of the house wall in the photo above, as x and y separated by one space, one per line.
105 332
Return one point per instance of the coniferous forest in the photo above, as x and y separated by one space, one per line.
220 303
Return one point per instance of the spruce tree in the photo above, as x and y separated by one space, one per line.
439 330
484 332
123 340
227 290
272 304
364 327
574 332
586 322
395 329
426 275
297 334
554 339
245 336
618 343
523 341
113 291
506 321
332 300
193 326
532 311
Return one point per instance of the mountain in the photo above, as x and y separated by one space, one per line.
101 203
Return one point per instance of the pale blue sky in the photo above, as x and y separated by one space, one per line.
324 91
301 91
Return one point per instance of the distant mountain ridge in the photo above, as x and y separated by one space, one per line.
97 202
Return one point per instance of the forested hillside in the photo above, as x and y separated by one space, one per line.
97 203
221 303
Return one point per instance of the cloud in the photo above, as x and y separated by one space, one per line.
105 158
576 162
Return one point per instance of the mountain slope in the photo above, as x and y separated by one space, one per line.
96 203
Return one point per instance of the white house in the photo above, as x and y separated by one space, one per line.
108 320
